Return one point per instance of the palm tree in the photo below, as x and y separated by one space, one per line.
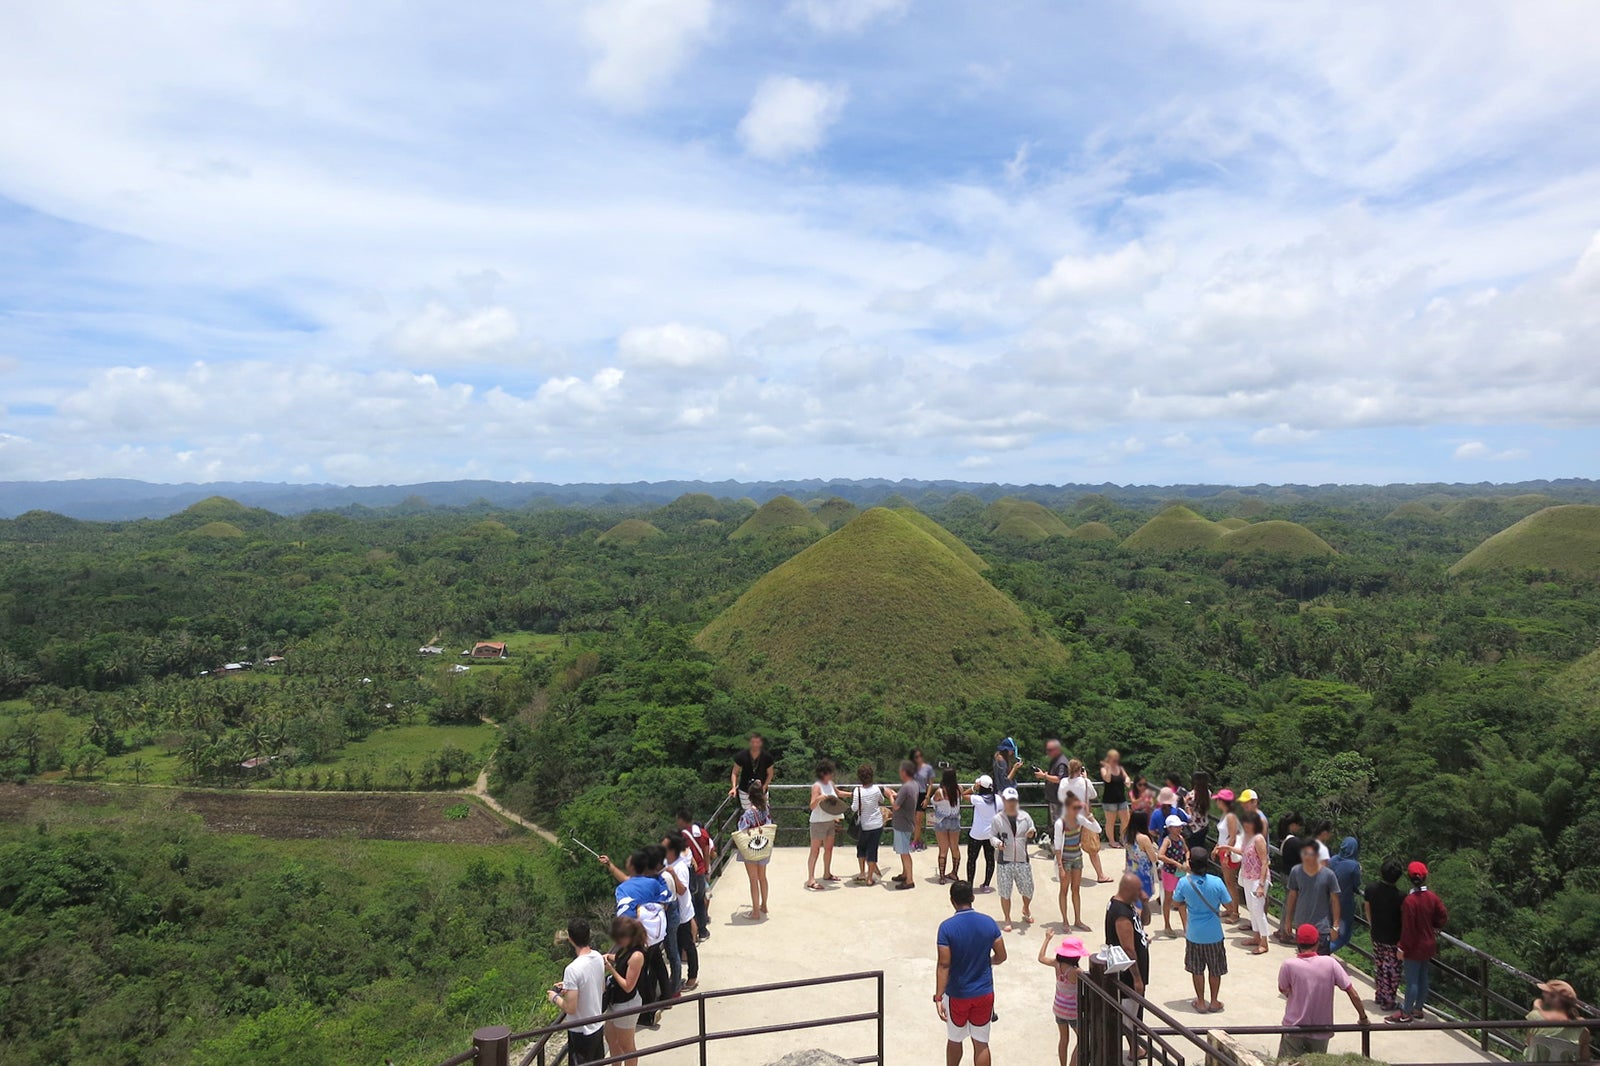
138 768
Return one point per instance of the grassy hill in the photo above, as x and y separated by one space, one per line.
1564 539
1288 539
1024 520
1412 511
880 608
218 530
1232 523
781 514
1173 530
1094 531
835 512
629 532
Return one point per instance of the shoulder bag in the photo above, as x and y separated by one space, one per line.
755 845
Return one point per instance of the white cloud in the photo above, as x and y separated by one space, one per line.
673 346
1016 167
1130 268
1281 434
1476 450
439 333
847 16
641 44
789 117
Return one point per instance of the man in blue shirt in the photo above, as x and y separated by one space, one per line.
646 898
970 946
1204 894
1166 804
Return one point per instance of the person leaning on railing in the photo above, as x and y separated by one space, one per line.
1558 1002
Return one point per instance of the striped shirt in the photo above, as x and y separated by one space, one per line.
1066 1002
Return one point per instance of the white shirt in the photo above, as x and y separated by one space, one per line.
984 809
1085 821
586 974
1076 786
868 804
680 870
828 789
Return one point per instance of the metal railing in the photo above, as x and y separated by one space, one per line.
1111 1017
491 1046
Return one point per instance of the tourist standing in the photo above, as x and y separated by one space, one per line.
1013 829
701 850
823 824
904 822
947 823
1308 982
1069 862
1228 834
1125 930
1166 807
1255 879
1003 769
1174 857
924 780
1422 915
680 912
868 802
1052 774
1115 799
624 969
1203 895
1289 848
1313 897
754 766
1141 801
1144 862
970 946
980 835
1383 901
643 894
1078 784
1346 870
754 817
1065 962
580 995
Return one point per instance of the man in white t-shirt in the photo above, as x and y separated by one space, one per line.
580 994
1013 829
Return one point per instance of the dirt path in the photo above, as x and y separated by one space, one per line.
480 792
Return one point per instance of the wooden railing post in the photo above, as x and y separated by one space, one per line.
1103 1027
493 1045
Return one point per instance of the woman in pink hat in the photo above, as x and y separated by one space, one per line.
1228 840
1065 1006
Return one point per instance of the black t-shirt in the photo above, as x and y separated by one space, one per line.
751 770
1117 910
1057 768
1385 900
1115 789
1289 854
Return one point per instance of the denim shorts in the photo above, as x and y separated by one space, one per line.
948 824
1116 808
902 842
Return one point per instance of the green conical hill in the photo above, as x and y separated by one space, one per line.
216 530
884 609
781 514
1008 508
689 508
218 507
835 512
1232 523
945 537
1564 539
1020 528
629 532
1094 531
1173 530
1289 539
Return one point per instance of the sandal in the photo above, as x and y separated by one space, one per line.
1200 1008
830 877
1216 1007
813 886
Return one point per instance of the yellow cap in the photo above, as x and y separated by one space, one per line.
1247 796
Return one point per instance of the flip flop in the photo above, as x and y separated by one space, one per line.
1216 1008
1005 927
1261 951
1200 1008
813 886
830 877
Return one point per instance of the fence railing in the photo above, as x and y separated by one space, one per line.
492 1046
1113 1018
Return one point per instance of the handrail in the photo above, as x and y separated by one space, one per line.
492 1046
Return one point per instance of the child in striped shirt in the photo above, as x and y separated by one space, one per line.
1065 1006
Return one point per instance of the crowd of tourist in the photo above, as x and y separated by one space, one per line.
1202 857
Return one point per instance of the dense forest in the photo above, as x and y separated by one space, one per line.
1454 718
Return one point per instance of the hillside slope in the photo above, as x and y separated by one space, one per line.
781 514
880 608
1563 539
1175 529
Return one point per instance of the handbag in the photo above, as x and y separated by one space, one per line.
1116 960
755 845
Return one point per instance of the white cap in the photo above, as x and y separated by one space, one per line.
1172 820
985 781
1009 794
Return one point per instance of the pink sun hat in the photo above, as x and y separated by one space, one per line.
1071 947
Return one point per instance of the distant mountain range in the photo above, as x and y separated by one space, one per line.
119 499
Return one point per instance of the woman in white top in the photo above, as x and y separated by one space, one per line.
1229 838
868 802
823 825
980 837
1077 783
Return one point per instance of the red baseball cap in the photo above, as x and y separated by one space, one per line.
1307 935
1417 869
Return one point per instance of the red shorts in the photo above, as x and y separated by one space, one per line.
970 1017
1227 859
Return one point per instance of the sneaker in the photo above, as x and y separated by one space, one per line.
1399 1017
690 986
905 884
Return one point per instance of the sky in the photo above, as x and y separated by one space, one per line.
615 240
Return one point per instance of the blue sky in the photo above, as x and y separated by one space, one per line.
622 239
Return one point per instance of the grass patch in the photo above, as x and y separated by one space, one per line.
1287 539
411 746
629 532
1024 520
781 514
158 766
1175 529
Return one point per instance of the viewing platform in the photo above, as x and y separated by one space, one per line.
847 928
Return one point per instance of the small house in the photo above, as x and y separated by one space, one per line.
430 649
488 649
